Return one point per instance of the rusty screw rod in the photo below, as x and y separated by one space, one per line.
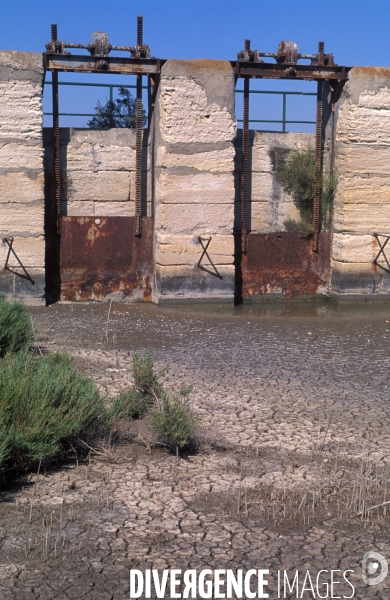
318 157
56 139
139 30
138 140
245 163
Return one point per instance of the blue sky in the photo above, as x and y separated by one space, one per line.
354 31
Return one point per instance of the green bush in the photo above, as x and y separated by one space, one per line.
129 404
135 402
298 177
146 378
15 327
45 406
173 421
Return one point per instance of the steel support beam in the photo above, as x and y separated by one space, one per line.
283 71
73 63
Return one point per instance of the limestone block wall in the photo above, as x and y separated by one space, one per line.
21 176
194 129
269 205
97 172
362 203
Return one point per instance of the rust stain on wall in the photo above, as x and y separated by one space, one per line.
100 256
284 263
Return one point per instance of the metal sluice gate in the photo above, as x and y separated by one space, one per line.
249 65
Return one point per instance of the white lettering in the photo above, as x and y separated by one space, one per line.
147 583
295 582
136 592
160 589
262 582
232 582
325 584
190 581
304 588
349 583
332 582
247 584
218 582
208 592
174 583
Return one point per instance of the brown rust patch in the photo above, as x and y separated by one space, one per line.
284 264
101 256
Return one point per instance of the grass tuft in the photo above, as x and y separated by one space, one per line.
15 327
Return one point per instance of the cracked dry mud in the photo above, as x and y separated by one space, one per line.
295 412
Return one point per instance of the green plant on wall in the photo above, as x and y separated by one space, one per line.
298 176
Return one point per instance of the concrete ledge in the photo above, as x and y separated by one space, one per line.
163 301
18 287
340 298
278 298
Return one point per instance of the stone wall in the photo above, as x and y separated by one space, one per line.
97 172
21 176
362 204
269 205
191 174
194 128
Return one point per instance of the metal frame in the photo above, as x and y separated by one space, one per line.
56 59
284 121
322 68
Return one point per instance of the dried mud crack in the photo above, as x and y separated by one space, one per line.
294 448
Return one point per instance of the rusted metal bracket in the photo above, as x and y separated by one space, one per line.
243 68
202 241
9 241
382 247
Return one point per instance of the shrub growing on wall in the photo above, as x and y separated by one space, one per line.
298 177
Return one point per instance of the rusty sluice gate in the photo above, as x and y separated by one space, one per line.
99 256
88 257
284 264
116 254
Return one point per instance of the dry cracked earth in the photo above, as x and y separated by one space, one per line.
292 457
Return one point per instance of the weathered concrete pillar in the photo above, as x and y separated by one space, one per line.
362 203
194 193
21 176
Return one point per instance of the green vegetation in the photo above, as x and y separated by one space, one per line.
298 176
15 327
172 419
45 406
135 402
